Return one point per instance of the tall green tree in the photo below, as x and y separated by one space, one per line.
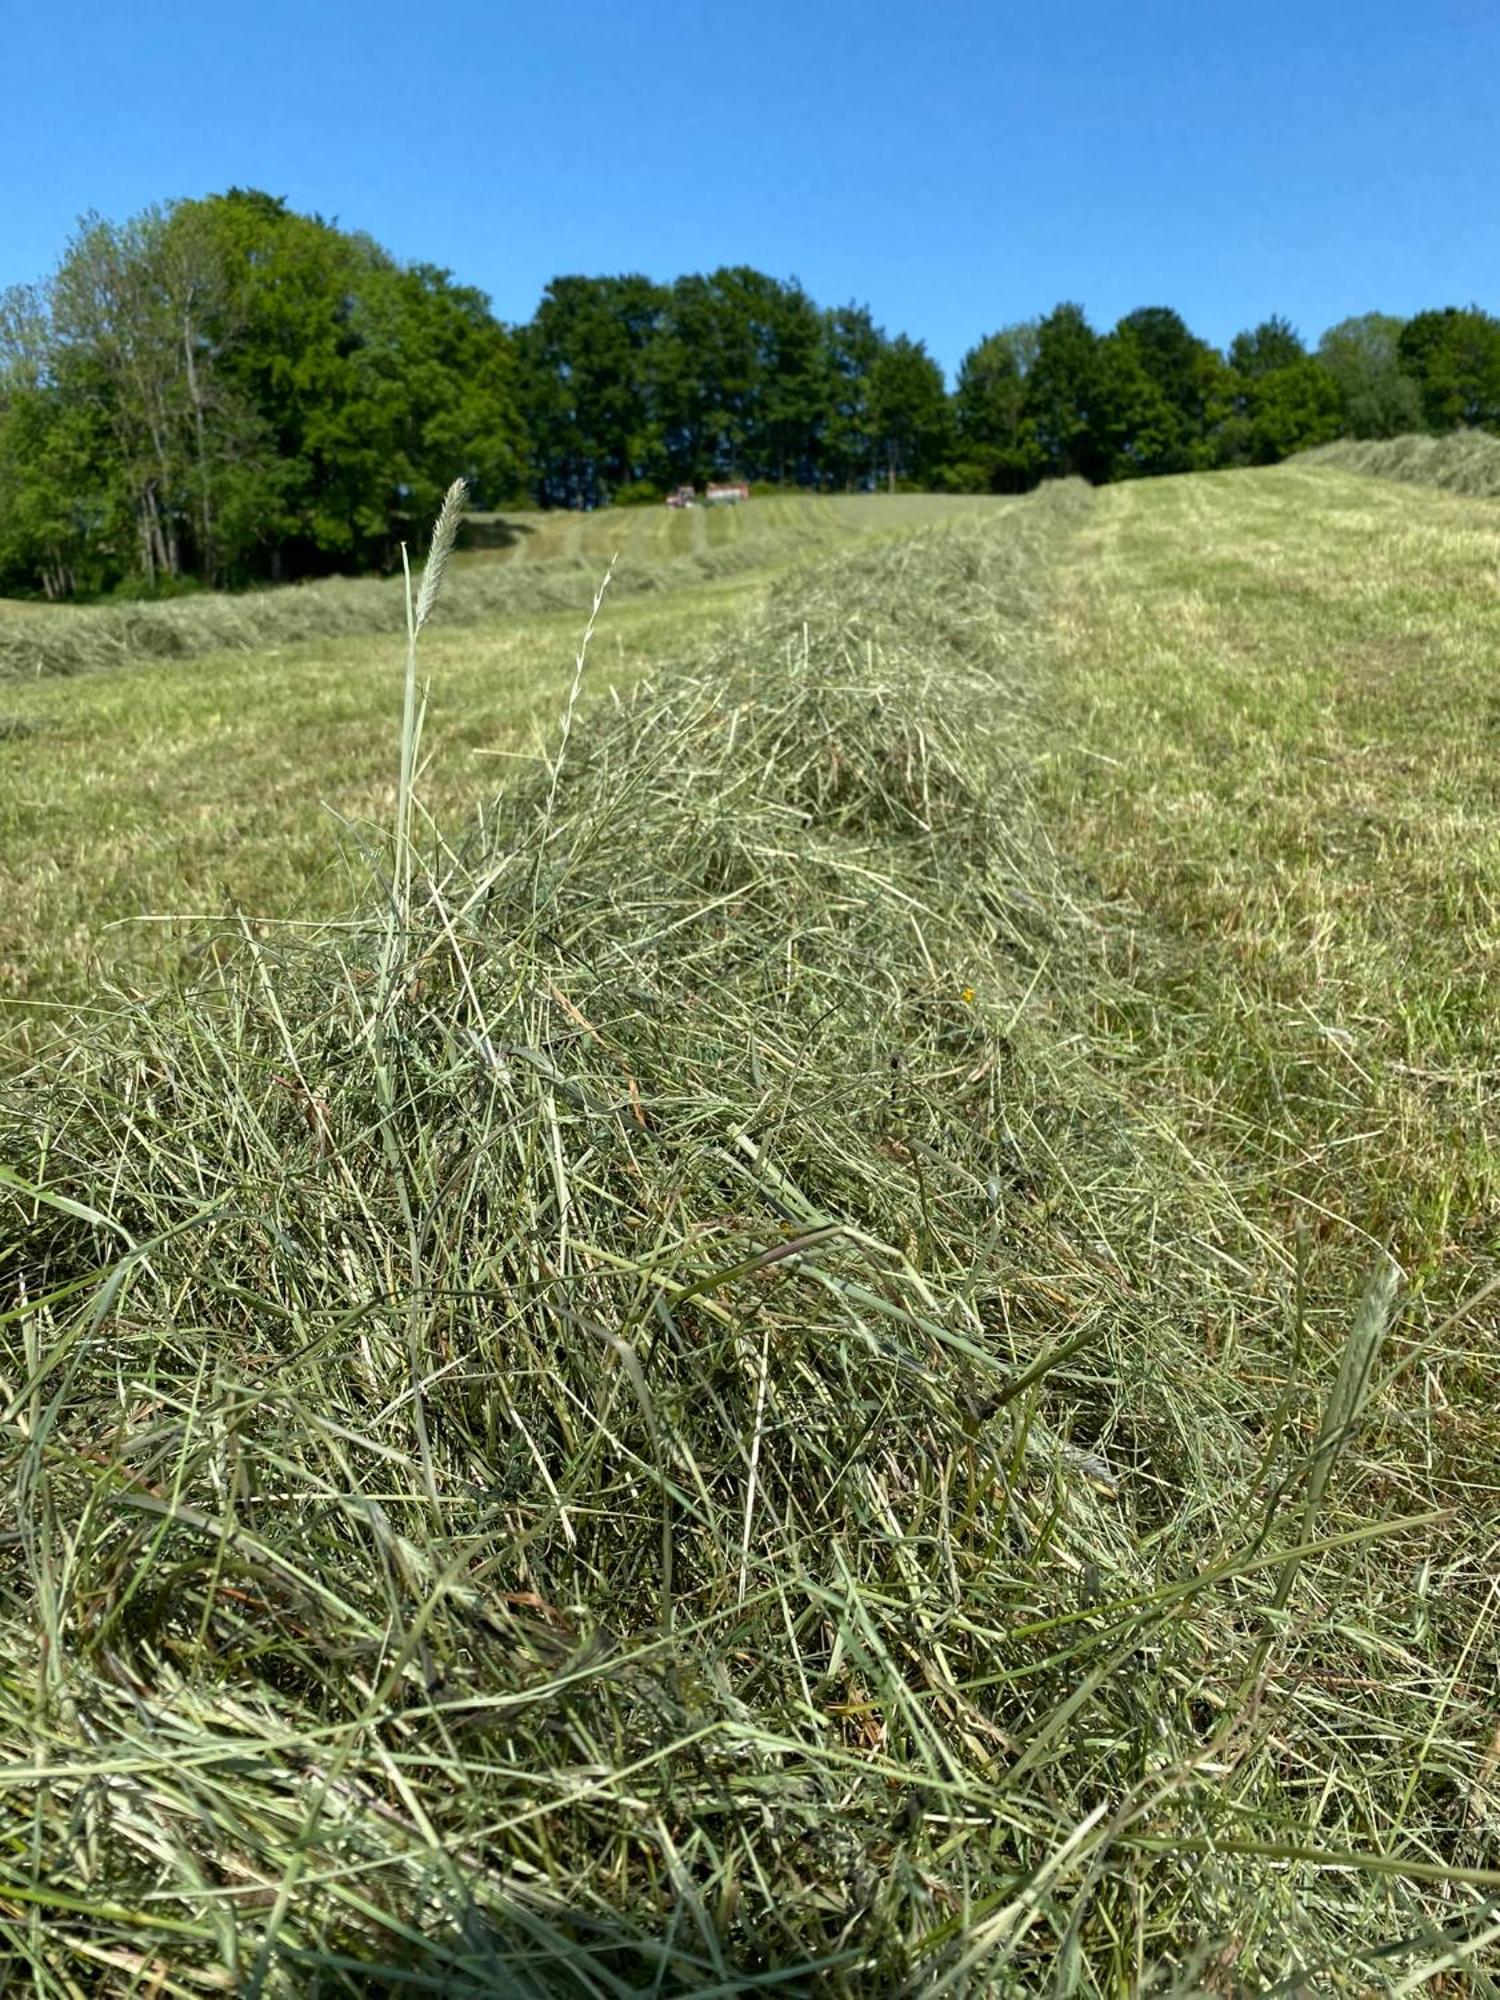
908 410
116 307
1292 409
1135 429
1378 398
798 394
1188 376
743 376
1062 396
712 371
734 371
1284 399
1454 358
590 387
852 345
227 390
369 378
1274 344
59 483
992 432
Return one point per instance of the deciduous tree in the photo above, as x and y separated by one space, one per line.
1454 357
908 409
992 430
1378 397
1062 396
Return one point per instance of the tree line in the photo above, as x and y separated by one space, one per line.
224 391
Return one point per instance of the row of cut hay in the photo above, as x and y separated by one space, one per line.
84 639
1466 462
645 1427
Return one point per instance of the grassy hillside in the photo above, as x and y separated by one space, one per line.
844 1345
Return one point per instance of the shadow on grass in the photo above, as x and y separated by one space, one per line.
492 531
547 1953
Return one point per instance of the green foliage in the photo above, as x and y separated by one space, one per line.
1292 409
377 383
638 493
1176 416
908 410
625 381
852 345
1272 345
227 390
717 361
965 475
1056 398
994 436
796 390
1169 355
1279 399
588 362
1454 357
1379 398
55 457
1062 395
1136 430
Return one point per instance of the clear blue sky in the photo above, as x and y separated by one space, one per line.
956 164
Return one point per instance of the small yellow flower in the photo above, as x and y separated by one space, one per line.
967 996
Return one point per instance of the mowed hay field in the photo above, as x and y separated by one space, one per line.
132 798
532 564
842 1344
654 534
1274 731
184 759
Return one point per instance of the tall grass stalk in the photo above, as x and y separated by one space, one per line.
570 711
1346 1400
414 704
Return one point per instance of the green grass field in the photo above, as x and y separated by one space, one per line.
1275 744
772 522
169 787
842 1344
536 563
149 788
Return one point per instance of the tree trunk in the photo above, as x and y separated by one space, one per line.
207 563
148 545
159 546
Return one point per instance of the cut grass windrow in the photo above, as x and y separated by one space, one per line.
48 640
665 1416
1466 462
